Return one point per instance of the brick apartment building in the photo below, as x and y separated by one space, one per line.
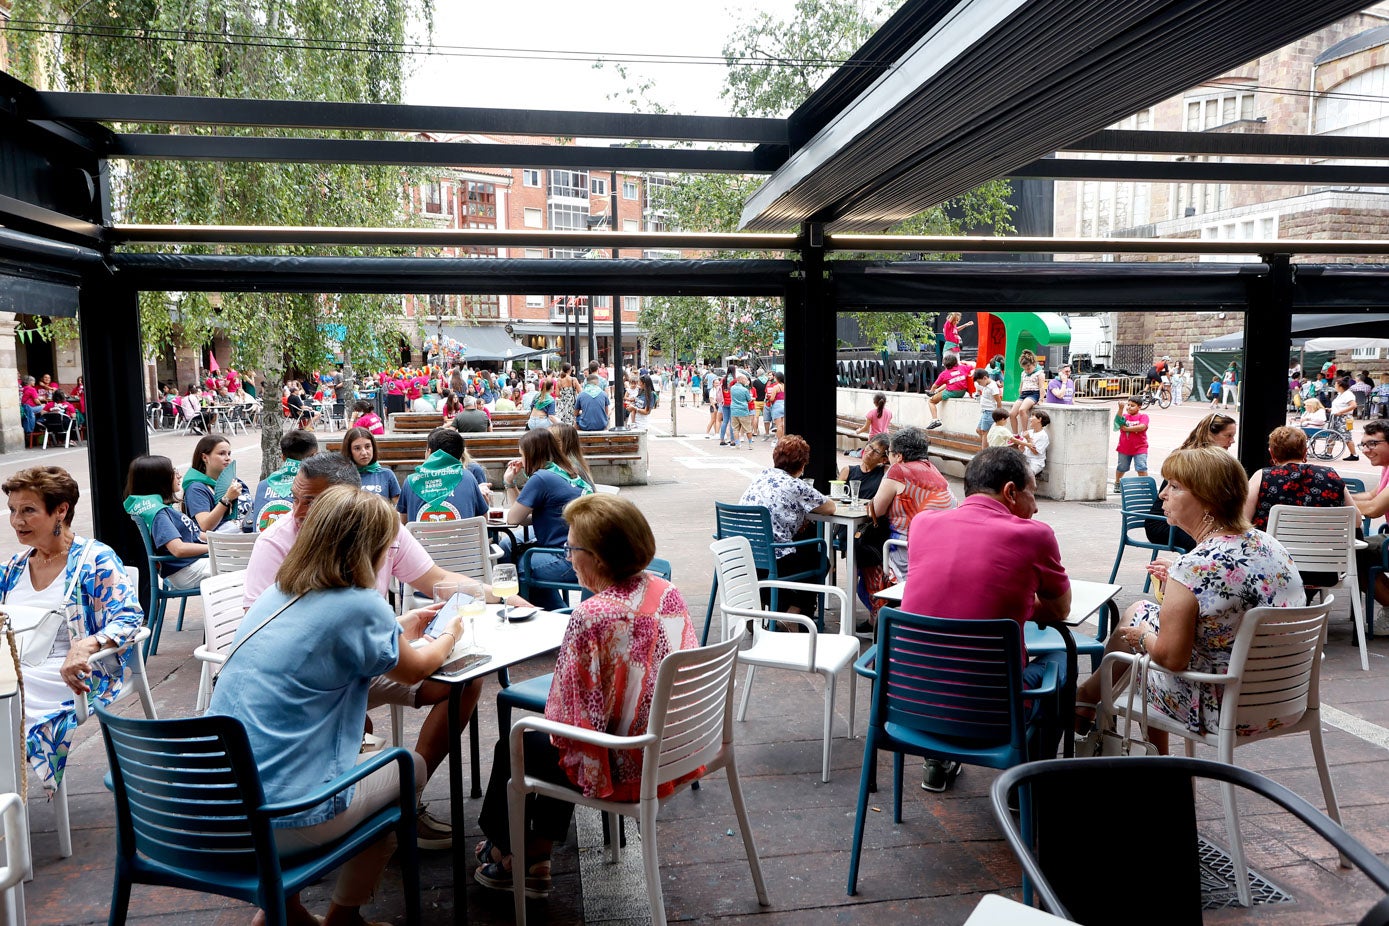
532 198
1332 82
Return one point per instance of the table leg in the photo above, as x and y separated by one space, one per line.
1068 694
850 576
474 754
456 808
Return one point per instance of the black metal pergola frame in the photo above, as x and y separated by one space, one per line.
60 249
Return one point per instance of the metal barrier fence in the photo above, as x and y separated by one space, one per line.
1108 387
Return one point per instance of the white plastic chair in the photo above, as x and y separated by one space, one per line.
1323 540
889 570
602 488
830 655
17 861
691 725
222 614
227 552
1274 674
456 546
139 680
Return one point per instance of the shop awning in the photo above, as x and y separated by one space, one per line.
1309 327
487 342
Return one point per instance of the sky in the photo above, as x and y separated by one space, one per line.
613 28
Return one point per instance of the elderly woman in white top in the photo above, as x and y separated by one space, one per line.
82 578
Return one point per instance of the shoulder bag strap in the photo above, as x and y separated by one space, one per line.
232 652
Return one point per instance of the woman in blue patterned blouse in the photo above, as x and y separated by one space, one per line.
83 577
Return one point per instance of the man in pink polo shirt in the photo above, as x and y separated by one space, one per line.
407 561
988 559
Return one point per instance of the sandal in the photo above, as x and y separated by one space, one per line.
1085 717
487 852
497 877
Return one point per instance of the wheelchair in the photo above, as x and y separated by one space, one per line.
1328 443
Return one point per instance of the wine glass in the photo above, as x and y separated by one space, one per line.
505 584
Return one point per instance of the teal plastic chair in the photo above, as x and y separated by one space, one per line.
191 813
160 593
944 689
1137 496
529 582
755 523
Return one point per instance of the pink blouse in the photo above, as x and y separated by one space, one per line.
605 678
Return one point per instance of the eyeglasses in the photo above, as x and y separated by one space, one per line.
1371 443
570 550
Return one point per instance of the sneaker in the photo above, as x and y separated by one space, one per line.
430 831
1351 458
939 774
934 424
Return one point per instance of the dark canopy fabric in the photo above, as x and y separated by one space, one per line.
1307 327
486 342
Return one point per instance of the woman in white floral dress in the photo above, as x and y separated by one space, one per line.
1204 594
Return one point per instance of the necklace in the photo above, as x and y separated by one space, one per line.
48 558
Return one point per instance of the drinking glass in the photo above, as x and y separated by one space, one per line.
854 486
504 585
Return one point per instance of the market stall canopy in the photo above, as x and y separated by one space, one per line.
1349 328
485 342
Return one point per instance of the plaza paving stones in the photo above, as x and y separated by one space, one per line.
932 868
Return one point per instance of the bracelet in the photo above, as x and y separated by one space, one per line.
1142 647
451 637
509 485
223 502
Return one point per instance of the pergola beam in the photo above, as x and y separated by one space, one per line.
1204 172
441 154
1246 144
152 109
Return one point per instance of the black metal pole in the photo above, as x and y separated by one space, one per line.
619 381
810 352
1268 324
111 363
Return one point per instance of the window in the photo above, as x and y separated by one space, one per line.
535 302
433 197
438 305
1260 228
482 306
629 189
532 218
481 204
598 187
631 303
534 253
572 184
629 225
530 177
1208 112
1364 353
1356 106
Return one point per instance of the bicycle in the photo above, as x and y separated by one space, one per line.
1162 398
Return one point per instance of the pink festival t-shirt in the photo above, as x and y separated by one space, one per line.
1131 442
956 378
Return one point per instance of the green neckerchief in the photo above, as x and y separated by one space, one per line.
279 483
197 476
145 507
437 477
577 482
593 390
371 468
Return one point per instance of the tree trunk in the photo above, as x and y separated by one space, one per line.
674 387
271 419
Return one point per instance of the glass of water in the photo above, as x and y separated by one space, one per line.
854 486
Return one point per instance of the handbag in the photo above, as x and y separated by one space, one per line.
36 629
1104 739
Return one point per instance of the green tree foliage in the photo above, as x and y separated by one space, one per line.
275 49
774 64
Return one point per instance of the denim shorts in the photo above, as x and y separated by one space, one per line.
986 420
1139 461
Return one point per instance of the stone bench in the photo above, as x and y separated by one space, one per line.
614 457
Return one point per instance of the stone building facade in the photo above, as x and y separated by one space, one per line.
1346 66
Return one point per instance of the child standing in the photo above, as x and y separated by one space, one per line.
1214 390
1133 440
1029 391
989 393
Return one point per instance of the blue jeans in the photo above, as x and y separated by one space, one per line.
549 567
726 422
1043 709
